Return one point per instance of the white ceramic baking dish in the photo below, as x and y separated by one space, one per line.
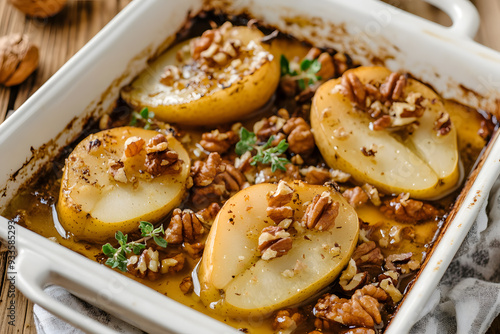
88 84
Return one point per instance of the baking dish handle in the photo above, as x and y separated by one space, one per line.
39 277
464 15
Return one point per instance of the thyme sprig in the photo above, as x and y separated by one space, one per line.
265 154
117 257
306 74
144 116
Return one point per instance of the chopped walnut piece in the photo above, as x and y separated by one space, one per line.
443 124
133 145
288 319
282 196
394 262
93 145
300 137
356 196
350 279
267 127
321 213
372 193
204 173
360 330
173 264
361 310
315 175
274 242
171 73
184 226
406 210
382 123
280 213
117 171
186 285
147 264
216 141
368 253
388 286
341 63
327 70
207 215
194 250
159 159
199 45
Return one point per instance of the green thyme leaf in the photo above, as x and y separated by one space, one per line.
146 228
117 257
160 241
285 66
305 64
144 113
246 143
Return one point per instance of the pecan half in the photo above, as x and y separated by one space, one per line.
274 242
300 137
321 213
184 226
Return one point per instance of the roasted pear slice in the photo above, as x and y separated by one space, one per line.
411 155
240 277
219 77
115 178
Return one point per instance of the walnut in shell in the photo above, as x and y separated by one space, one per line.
39 8
18 59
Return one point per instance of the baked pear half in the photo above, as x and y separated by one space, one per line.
387 130
220 77
116 178
273 246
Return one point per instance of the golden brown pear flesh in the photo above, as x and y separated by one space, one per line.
238 91
424 164
236 281
93 205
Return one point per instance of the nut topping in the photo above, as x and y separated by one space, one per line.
184 226
361 310
18 59
288 320
216 141
159 159
368 254
300 137
274 242
404 209
321 213
133 145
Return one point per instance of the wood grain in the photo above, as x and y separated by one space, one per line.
61 36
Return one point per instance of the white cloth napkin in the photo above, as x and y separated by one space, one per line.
466 301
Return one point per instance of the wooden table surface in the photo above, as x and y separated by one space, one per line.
59 37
